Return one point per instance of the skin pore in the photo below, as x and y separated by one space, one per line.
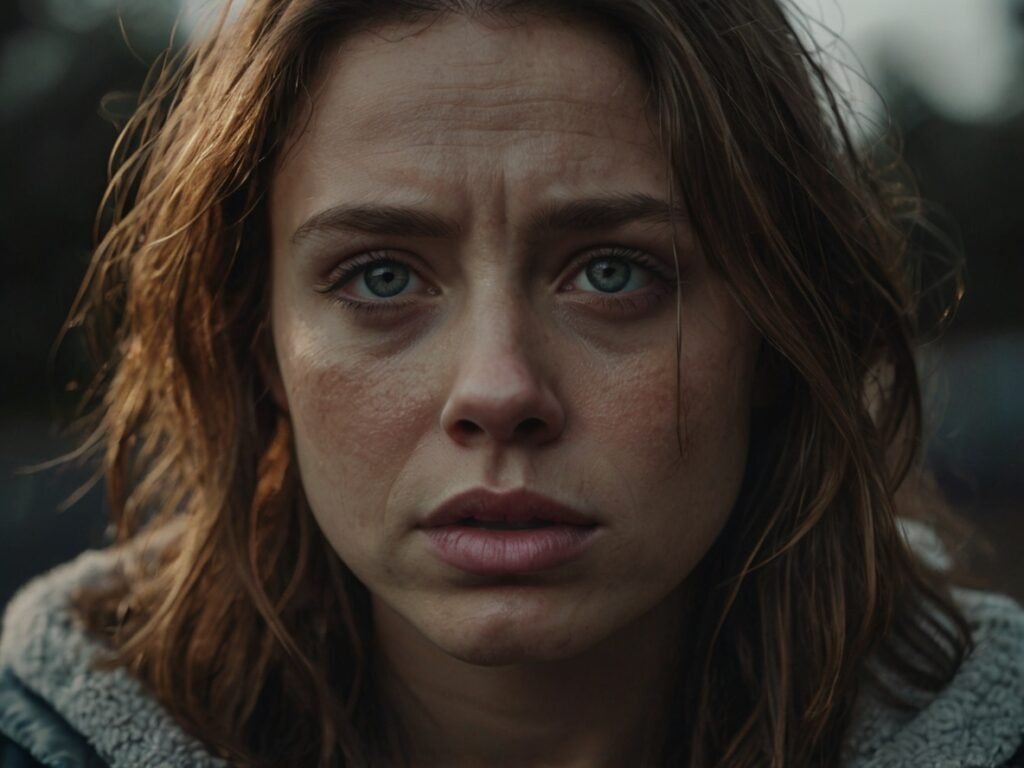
473 287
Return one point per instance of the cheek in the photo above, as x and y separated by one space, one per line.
645 406
636 428
633 408
354 418
715 398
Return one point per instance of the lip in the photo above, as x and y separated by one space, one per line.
517 506
488 552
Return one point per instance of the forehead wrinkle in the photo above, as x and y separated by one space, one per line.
480 139
484 40
428 122
483 93
578 132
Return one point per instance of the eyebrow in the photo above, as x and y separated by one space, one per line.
584 215
604 213
393 220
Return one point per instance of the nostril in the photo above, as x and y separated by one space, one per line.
467 427
530 426
516 415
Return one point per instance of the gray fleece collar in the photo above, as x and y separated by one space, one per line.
976 722
45 648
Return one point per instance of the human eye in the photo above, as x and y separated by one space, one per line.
620 278
374 281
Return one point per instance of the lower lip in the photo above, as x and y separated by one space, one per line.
488 552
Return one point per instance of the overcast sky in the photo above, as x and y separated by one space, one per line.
959 53
963 55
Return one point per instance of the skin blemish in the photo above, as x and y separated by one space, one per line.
397 411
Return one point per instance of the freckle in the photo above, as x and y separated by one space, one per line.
358 412
330 388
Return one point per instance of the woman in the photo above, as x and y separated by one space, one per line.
506 383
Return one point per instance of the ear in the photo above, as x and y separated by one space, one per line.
266 364
773 377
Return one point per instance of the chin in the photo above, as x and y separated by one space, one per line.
511 650
509 638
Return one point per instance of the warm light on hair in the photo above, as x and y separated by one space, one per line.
252 632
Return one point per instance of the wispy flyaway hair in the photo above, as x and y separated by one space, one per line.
248 627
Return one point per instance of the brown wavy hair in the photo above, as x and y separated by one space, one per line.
248 627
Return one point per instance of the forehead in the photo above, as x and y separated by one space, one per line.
432 73
457 100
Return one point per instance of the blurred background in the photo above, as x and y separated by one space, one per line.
947 76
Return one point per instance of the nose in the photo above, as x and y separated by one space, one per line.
500 392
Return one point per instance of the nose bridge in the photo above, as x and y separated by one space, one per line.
497 328
501 388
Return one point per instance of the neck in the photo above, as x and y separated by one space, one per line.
598 708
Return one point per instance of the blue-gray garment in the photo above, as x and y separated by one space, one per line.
46 662
55 707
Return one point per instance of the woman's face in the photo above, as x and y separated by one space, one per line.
473 288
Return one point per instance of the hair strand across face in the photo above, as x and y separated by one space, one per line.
251 630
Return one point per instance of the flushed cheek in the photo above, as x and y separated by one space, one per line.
634 407
633 424
354 419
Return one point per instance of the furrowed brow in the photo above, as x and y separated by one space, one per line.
395 221
605 213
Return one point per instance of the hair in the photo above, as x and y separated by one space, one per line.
248 627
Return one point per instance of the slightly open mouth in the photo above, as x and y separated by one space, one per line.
493 525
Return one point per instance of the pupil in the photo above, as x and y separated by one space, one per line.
387 280
609 275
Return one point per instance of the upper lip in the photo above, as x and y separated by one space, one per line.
504 507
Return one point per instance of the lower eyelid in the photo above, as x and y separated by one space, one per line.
637 301
657 271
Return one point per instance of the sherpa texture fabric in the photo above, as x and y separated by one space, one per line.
976 722
51 657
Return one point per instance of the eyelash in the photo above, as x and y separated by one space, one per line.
354 267
634 301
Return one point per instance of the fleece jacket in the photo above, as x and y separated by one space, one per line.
57 709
